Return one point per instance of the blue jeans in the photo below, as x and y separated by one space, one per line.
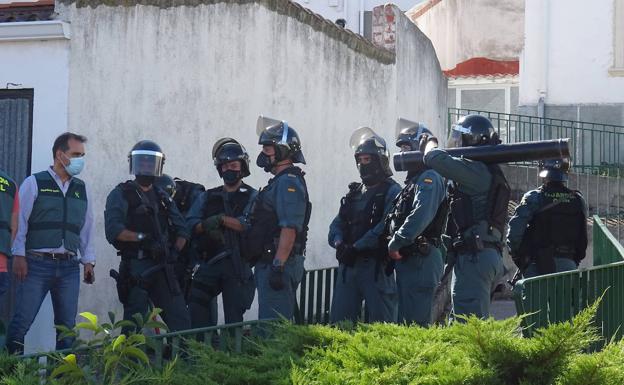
59 277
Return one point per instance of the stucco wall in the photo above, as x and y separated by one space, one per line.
461 29
568 53
187 75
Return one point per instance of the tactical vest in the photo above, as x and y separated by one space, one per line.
8 190
489 223
56 219
185 191
215 205
561 225
402 208
140 214
356 223
259 241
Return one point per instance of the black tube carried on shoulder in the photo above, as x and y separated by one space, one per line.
500 153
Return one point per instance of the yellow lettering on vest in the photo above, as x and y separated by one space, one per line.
51 190
4 181
2 188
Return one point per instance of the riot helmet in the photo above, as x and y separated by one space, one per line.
472 130
409 133
227 150
554 170
166 183
365 141
282 137
146 160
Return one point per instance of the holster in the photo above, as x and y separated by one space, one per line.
122 283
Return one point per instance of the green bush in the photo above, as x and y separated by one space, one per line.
472 352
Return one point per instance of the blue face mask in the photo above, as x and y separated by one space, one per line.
75 166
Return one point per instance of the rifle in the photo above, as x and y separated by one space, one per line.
164 256
232 241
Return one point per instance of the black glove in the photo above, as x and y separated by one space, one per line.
345 254
276 278
424 139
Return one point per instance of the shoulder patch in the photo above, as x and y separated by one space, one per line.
428 180
292 189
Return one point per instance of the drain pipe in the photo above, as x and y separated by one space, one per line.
543 91
362 17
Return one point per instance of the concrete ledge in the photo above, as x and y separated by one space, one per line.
284 7
34 30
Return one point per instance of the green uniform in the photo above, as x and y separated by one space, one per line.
419 271
477 240
360 222
548 231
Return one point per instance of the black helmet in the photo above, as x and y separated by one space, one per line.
472 130
226 150
166 183
283 137
146 158
555 170
365 141
410 133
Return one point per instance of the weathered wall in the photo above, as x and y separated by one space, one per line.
187 75
462 30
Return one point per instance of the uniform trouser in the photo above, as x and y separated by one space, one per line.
209 281
365 281
561 264
155 288
278 303
61 278
474 276
417 276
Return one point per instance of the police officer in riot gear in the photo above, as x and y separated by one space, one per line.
213 221
139 218
356 234
415 226
548 231
478 196
278 220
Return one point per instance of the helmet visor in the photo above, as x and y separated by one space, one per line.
144 162
455 138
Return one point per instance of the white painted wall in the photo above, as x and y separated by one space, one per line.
461 30
43 66
186 76
568 53
350 9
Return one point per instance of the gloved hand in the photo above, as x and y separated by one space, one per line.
276 278
212 223
216 235
345 254
424 139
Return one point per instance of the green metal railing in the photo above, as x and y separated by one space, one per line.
230 337
315 296
596 148
558 297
